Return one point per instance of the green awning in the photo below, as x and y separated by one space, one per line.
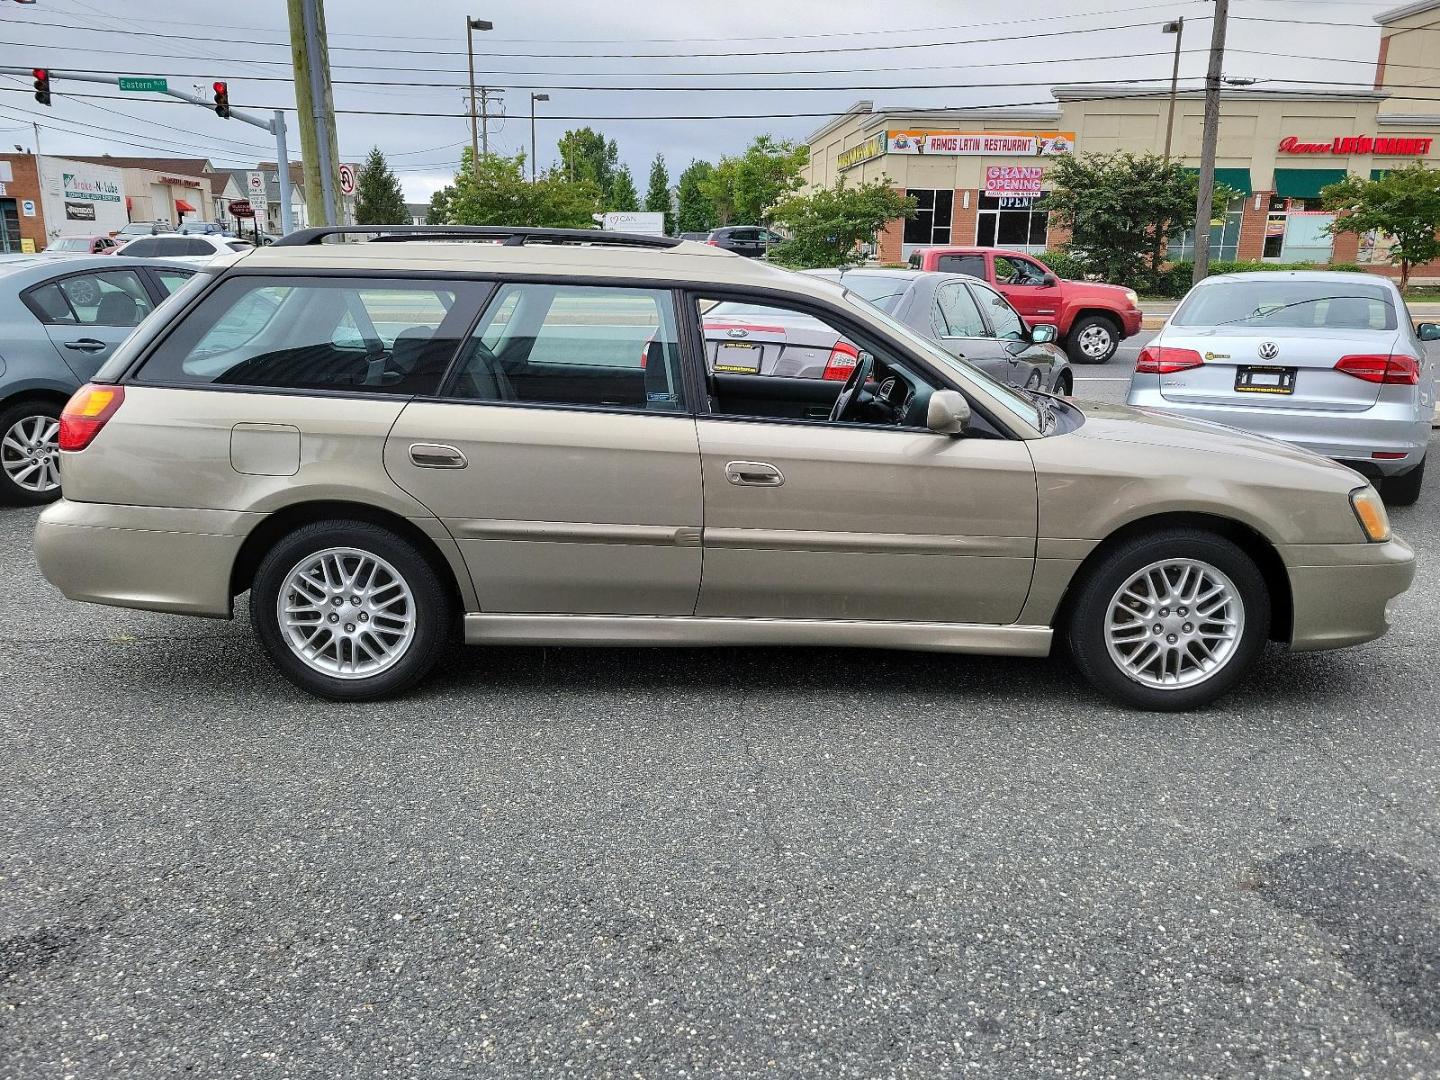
1239 179
1305 183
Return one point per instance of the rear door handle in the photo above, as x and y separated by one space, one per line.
753 474
436 456
85 344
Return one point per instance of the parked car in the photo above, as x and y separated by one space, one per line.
202 247
99 244
382 442
60 319
966 317
752 241
1327 360
142 228
202 228
701 236
1092 318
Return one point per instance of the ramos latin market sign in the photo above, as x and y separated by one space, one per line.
870 148
1387 146
981 143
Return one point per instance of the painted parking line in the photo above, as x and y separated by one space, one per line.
1096 378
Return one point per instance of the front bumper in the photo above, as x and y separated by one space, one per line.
149 557
1341 593
1131 320
1349 437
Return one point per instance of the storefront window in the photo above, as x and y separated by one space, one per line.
1224 239
1296 230
1011 222
931 223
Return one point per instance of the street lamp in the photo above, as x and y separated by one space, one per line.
533 99
471 25
1178 29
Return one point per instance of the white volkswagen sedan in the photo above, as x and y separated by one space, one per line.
1328 361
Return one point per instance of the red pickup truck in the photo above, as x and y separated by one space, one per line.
1091 319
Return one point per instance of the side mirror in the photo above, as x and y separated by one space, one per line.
1050 281
1043 333
948 414
1428 331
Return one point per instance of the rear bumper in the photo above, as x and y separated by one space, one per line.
1342 592
1352 438
142 556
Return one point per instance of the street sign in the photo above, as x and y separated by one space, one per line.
241 208
144 86
347 179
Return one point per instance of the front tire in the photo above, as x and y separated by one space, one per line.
350 611
1403 490
1092 340
30 453
1065 384
1170 621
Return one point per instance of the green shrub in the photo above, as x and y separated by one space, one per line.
1066 266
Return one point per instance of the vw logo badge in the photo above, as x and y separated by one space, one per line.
1268 350
738 331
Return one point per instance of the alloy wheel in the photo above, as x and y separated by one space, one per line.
30 454
1175 623
346 613
1095 342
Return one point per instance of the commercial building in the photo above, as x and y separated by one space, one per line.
977 174
169 191
44 197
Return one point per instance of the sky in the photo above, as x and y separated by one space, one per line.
666 76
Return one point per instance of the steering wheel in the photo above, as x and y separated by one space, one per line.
853 394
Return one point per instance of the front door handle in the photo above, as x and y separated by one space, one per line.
85 344
436 456
753 474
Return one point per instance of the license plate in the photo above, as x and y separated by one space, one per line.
738 357
1265 380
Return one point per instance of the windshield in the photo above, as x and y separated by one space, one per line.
1286 302
883 292
1018 404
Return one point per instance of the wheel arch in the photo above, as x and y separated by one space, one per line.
1109 314
287 519
35 391
1253 543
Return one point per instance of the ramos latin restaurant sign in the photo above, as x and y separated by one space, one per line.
1387 146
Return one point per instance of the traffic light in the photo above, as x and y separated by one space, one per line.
222 100
42 85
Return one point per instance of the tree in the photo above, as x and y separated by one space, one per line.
498 193
744 188
1122 209
827 225
694 211
1402 204
623 196
379 199
657 195
586 155
439 212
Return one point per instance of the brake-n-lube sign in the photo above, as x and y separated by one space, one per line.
981 143
88 188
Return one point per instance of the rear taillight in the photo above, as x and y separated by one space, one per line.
843 358
713 243
1379 368
86 413
1163 360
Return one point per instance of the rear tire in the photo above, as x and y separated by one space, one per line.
1139 586
350 611
1403 490
29 453
1092 340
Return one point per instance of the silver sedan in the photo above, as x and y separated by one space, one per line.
1328 361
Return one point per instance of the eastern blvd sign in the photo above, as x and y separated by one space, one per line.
144 86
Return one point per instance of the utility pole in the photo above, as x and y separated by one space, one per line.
485 99
1204 200
1178 29
315 105
471 25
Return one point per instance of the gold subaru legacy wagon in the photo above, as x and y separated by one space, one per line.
536 437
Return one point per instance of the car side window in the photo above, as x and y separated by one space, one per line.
143 248
1016 271
372 335
961 264
170 280
1006 322
574 345
958 311
109 298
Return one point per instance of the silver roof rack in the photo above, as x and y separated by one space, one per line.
509 237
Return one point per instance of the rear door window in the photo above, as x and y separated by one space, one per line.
111 298
958 313
370 335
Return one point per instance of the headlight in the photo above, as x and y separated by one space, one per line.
1370 512
1132 297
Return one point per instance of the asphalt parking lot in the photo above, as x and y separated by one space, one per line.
710 863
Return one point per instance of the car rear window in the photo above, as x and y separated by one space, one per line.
370 335
1326 305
